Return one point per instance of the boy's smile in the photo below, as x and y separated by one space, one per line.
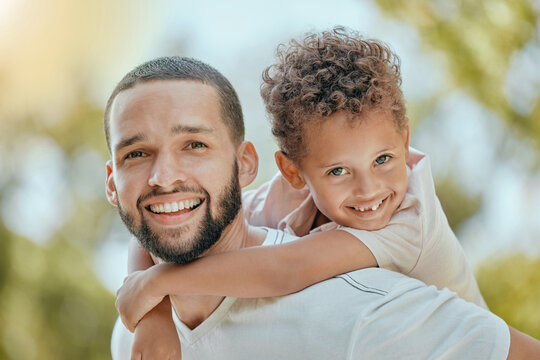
356 168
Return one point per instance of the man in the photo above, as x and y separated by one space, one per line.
178 160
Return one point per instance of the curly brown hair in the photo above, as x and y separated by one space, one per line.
325 73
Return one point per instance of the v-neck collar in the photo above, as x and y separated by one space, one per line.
190 336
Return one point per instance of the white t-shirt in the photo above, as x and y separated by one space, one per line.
367 314
417 241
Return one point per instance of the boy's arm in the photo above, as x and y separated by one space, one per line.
523 346
260 271
138 257
265 271
155 336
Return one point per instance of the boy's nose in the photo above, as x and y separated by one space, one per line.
167 170
366 185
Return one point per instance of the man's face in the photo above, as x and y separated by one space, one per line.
173 173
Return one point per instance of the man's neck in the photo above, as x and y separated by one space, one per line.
193 310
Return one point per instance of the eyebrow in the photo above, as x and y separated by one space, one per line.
178 129
339 164
182 129
129 141
328 165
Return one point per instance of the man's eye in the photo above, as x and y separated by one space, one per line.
134 154
196 145
382 159
338 171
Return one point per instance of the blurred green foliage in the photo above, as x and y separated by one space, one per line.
475 42
511 287
458 205
52 306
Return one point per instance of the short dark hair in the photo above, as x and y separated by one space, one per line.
325 73
184 68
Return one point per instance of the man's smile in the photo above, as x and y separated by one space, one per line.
175 206
173 212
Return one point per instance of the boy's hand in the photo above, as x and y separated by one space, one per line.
156 336
135 298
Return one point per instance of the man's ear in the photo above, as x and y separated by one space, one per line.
248 163
110 188
289 170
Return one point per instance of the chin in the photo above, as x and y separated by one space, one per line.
371 225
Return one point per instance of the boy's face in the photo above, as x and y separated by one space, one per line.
357 171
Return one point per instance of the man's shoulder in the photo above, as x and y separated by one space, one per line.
377 280
276 237
372 283
371 280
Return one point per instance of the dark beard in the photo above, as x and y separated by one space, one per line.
209 232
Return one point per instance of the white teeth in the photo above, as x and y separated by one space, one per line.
174 206
373 208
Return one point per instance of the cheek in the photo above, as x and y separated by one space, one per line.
325 197
401 182
129 185
125 182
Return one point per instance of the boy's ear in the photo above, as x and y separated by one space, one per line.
110 188
289 170
248 163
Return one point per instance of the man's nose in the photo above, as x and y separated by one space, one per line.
167 170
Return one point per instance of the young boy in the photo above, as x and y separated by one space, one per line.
348 183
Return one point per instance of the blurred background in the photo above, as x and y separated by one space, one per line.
471 81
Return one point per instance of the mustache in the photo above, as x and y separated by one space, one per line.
177 189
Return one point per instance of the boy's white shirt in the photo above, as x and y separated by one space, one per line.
417 241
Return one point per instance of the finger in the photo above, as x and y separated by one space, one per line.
133 324
127 324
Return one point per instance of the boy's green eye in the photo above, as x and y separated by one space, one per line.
382 159
338 171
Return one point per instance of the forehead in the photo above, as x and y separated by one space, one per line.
343 135
157 106
351 125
